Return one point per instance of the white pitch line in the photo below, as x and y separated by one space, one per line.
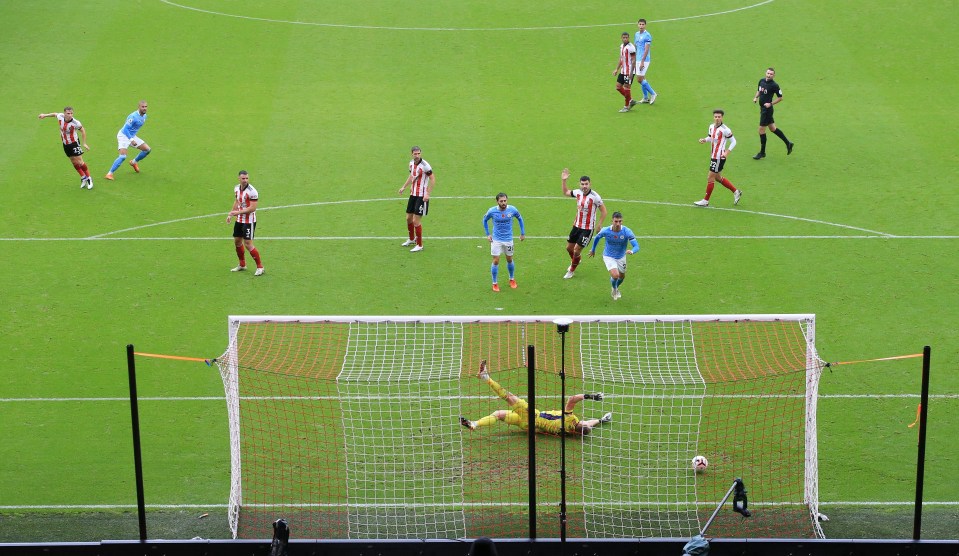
687 206
321 398
822 505
166 399
461 238
390 28
281 207
108 506
870 234
551 503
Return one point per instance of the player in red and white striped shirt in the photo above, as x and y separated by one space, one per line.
587 203
624 72
71 146
421 183
718 136
244 209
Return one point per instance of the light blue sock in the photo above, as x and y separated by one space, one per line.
141 156
117 163
511 268
494 270
648 88
612 282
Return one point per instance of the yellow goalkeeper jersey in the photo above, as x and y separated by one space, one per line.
546 421
549 422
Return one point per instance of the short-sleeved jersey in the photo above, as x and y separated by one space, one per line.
718 137
420 174
642 39
767 89
503 222
68 130
627 57
133 124
586 206
549 422
616 242
243 197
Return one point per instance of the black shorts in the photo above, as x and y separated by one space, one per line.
766 116
717 164
580 236
416 205
623 80
244 230
73 149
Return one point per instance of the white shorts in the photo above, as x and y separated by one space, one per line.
618 264
124 142
641 72
497 248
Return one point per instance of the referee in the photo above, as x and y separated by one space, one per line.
768 94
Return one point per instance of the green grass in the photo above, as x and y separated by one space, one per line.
323 117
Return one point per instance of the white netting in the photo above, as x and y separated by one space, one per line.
637 480
399 392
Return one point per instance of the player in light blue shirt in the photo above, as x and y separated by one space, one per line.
644 43
127 137
618 237
501 240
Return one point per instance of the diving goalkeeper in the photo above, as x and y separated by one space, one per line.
548 422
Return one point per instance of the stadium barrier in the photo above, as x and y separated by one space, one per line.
504 547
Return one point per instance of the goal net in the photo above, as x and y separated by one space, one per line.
349 427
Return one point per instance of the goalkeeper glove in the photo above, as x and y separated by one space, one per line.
598 396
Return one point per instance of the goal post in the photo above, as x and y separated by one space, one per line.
349 427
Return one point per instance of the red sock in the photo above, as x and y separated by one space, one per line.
709 189
79 170
256 257
622 91
409 227
726 183
629 96
419 236
241 254
86 171
576 260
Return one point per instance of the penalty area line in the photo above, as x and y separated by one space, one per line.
475 238
863 233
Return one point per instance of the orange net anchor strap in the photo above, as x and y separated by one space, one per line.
176 357
893 358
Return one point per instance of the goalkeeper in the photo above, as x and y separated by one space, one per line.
548 422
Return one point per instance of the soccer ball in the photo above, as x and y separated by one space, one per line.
700 464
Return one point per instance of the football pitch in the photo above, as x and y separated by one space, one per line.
321 103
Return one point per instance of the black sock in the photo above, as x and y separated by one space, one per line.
762 142
779 133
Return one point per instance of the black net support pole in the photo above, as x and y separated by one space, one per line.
921 458
137 459
562 329
531 429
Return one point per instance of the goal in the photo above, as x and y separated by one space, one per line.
349 427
